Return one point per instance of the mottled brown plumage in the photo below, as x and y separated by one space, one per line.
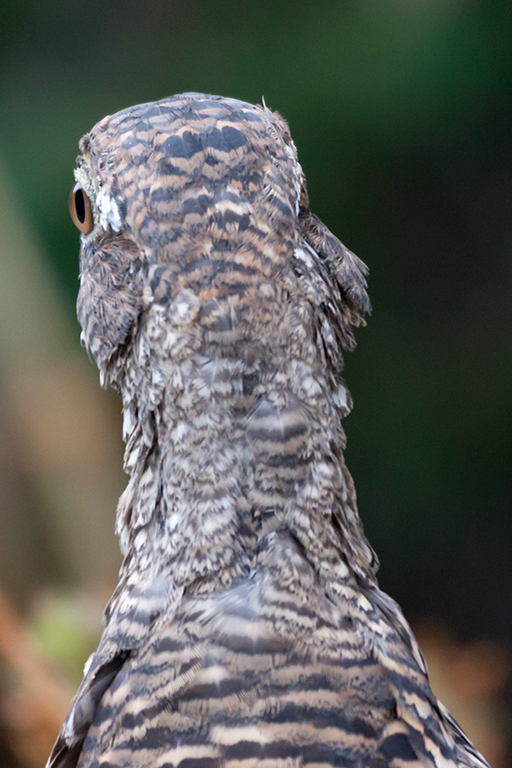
247 629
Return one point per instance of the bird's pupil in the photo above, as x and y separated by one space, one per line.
80 206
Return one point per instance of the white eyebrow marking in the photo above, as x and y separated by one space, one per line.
108 210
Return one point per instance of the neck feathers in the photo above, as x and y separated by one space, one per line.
232 407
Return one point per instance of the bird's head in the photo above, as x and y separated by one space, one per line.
196 233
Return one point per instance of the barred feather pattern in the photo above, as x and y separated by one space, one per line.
247 629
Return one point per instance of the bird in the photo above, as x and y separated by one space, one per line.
247 629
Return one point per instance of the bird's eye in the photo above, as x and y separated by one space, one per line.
81 210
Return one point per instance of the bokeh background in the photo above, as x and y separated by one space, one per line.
401 111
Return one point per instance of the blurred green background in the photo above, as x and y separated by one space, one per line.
401 112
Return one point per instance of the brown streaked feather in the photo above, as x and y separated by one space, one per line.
247 629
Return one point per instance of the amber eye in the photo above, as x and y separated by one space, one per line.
81 210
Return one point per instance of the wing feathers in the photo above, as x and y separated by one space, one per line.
219 686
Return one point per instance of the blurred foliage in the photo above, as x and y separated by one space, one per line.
401 111
469 679
67 629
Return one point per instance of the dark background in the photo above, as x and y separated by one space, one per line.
401 112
